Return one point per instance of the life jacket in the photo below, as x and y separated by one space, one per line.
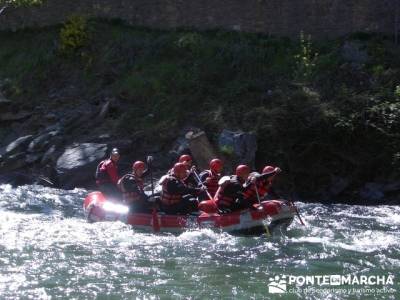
130 196
168 198
263 188
101 175
224 199
212 182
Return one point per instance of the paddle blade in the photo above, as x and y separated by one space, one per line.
154 221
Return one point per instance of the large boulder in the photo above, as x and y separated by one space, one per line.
201 149
76 166
240 146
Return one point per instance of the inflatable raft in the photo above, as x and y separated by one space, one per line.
264 218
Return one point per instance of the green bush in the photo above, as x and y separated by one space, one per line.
305 59
74 35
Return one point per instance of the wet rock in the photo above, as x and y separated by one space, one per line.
77 165
18 145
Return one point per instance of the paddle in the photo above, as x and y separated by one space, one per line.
297 212
154 216
202 185
258 196
259 202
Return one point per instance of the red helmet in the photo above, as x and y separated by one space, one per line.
268 169
185 158
216 165
179 169
242 171
138 165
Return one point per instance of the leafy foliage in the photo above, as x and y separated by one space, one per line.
74 35
305 59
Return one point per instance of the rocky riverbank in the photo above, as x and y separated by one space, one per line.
328 114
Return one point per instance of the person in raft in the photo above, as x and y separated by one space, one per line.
211 177
190 179
263 182
107 176
230 194
176 196
132 188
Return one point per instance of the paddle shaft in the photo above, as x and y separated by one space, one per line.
258 196
202 184
155 223
298 213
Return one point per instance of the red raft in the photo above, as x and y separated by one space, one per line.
264 218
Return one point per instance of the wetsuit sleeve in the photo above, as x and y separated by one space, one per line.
203 176
176 187
130 185
265 176
191 180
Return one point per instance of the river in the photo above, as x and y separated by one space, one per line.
49 251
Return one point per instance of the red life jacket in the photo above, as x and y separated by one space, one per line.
212 182
130 196
222 199
107 171
166 197
262 188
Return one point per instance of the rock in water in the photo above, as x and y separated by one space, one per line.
77 165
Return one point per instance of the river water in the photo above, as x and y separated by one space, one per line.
49 251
